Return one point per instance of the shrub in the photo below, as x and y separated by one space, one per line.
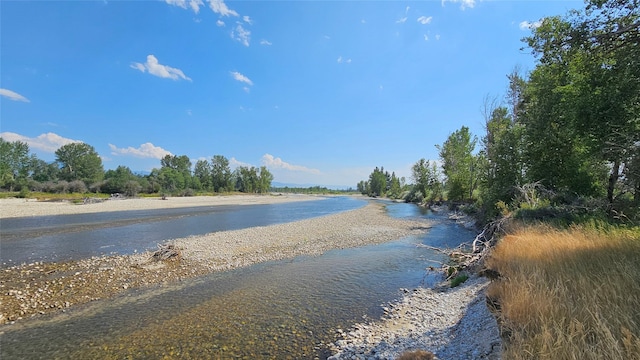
459 280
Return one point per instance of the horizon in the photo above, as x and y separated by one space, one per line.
318 92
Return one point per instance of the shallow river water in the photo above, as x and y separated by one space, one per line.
275 310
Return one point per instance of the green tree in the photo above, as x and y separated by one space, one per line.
14 163
119 181
41 171
202 172
264 180
221 174
426 180
377 182
586 88
79 161
459 164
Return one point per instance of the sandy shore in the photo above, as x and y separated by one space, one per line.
10 208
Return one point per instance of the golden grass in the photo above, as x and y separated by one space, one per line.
569 294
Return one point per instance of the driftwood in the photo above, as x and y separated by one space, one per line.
167 252
480 249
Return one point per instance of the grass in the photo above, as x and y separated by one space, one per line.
569 294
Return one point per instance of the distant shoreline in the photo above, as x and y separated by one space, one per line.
12 208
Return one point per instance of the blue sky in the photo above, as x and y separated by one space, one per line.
320 92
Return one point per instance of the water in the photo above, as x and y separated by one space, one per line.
73 237
275 310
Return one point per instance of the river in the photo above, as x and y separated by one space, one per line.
73 237
275 310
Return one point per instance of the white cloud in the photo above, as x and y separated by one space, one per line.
146 150
426 37
48 142
155 68
525 25
234 163
241 34
247 19
219 7
463 3
402 20
272 162
340 60
193 4
437 37
425 20
265 42
239 77
220 23
13 95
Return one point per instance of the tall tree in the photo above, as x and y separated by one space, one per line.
221 174
459 164
79 161
14 163
202 172
588 61
264 180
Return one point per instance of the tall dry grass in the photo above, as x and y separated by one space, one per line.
569 294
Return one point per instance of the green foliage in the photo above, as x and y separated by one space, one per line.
459 164
80 161
427 181
458 280
14 163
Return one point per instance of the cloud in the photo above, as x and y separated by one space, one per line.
219 7
437 37
48 142
155 68
241 34
463 3
239 77
425 20
13 95
270 161
340 60
265 42
234 163
146 150
220 23
247 19
402 20
193 4
525 25
426 37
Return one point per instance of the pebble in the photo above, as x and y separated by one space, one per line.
453 324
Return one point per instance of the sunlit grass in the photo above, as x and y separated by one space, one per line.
569 294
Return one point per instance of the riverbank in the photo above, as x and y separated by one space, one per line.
12 208
452 323
39 288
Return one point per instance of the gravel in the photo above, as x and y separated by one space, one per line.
452 323
37 288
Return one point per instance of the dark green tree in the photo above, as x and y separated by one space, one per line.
221 174
79 161
14 163
459 164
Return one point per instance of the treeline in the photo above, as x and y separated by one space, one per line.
320 190
78 169
566 134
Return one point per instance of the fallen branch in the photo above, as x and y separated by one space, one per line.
167 252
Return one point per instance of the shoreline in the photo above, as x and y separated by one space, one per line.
13 207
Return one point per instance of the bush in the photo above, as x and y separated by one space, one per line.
459 280
77 186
